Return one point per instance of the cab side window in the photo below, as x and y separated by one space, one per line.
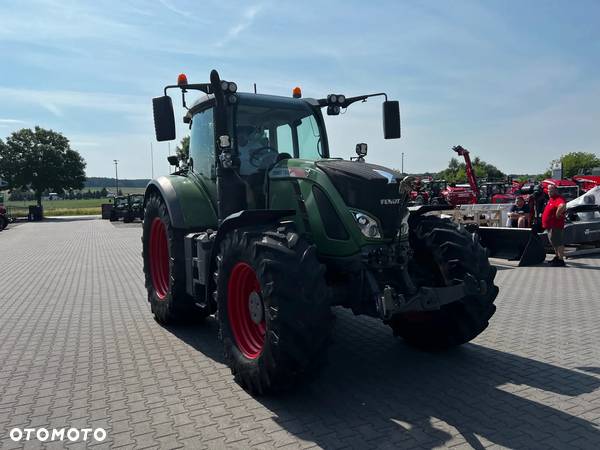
202 143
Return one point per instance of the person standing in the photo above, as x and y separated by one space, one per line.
537 202
553 220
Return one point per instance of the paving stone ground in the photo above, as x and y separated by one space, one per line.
79 348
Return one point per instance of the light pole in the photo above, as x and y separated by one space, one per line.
117 174
402 163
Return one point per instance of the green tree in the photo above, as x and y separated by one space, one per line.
574 162
183 149
41 160
457 171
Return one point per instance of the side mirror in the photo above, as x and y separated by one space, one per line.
164 118
173 160
391 119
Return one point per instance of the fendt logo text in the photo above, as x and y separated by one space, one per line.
58 434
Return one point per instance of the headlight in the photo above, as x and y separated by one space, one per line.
368 225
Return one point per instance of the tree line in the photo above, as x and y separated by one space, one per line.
572 164
27 196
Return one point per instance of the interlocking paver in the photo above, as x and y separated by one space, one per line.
80 348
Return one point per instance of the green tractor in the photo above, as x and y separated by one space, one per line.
263 229
128 208
135 207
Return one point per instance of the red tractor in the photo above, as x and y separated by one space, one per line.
420 195
588 179
458 195
566 188
505 191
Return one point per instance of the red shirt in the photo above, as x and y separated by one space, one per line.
549 219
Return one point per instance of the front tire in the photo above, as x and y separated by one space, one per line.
164 266
273 307
444 252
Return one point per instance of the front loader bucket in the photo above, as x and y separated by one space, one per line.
534 253
514 244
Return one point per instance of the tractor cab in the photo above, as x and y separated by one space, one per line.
242 144
136 206
121 202
496 192
262 130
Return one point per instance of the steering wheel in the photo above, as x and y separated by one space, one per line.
258 156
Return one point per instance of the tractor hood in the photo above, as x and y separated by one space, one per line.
369 188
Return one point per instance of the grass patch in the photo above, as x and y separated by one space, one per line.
59 207
63 204
72 212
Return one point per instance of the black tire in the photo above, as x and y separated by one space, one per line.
127 218
113 217
294 299
3 222
444 251
174 305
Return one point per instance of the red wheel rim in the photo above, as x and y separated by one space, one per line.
249 336
159 258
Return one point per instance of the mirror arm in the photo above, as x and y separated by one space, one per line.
323 101
204 87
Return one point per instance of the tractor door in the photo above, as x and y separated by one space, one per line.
203 152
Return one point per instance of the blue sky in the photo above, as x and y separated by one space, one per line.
515 82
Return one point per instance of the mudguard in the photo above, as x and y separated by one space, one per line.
189 204
250 217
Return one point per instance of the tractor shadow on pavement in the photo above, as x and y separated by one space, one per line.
378 392
202 337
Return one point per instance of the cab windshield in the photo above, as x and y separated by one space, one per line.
270 129
568 192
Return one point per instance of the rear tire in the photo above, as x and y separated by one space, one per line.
279 271
164 266
3 222
443 252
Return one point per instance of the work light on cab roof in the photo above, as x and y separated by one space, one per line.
181 79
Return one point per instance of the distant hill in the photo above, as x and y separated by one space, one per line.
100 182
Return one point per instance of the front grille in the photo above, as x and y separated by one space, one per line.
362 187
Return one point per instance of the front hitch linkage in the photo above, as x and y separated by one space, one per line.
427 298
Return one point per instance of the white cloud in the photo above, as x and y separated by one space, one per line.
56 101
167 4
247 20
11 121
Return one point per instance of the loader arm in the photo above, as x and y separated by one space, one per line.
471 178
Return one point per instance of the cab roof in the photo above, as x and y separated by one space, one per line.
248 95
